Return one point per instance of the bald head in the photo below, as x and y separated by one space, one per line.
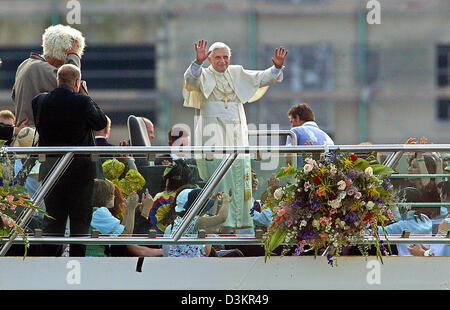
69 75
150 128
105 132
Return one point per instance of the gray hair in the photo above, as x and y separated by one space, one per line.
217 45
57 41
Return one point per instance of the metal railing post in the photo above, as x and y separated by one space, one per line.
204 194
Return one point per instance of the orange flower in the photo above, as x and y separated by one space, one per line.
321 191
9 198
282 212
323 236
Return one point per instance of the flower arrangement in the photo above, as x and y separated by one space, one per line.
13 199
330 203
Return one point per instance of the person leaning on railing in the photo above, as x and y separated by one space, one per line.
434 249
414 222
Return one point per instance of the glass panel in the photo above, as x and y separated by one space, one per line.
422 190
22 179
251 179
423 179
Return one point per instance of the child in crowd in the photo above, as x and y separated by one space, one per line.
210 224
109 206
175 175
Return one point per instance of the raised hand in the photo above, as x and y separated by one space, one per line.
83 88
132 200
147 203
226 197
123 143
280 56
217 196
201 52
21 126
411 141
75 47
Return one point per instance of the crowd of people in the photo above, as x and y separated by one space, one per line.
112 195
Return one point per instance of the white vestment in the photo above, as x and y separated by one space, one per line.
220 98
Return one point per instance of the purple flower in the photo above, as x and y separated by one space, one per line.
351 217
330 261
256 207
386 183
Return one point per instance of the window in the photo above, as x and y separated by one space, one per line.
103 67
443 109
310 67
443 65
368 67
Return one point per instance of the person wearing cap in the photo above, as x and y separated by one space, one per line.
25 138
210 224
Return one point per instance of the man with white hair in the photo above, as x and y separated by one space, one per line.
219 93
37 74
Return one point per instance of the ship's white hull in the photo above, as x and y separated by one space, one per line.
250 273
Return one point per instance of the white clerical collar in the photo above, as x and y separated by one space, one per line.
215 71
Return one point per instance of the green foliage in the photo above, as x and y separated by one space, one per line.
286 172
274 241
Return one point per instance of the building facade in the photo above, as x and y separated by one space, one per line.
381 83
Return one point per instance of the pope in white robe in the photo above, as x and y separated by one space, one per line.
219 93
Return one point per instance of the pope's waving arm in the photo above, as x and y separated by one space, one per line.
193 72
272 74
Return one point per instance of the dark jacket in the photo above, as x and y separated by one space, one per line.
102 142
6 133
67 118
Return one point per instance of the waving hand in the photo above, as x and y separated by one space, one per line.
280 56
201 52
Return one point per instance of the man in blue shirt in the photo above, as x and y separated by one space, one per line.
305 128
